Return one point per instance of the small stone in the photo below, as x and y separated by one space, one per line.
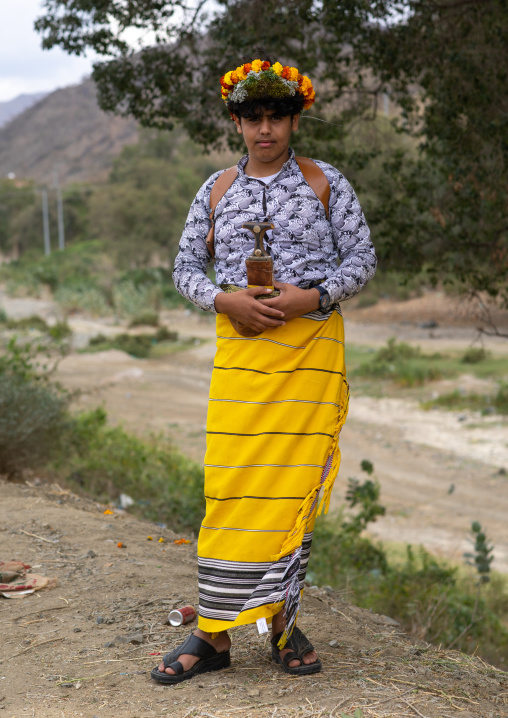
136 638
139 626
109 644
333 609
253 693
77 630
390 621
91 554
334 643
100 619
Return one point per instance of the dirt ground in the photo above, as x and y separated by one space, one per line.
86 647
438 471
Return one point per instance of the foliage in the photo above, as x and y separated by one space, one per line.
33 412
84 278
428 596
497 404
473 355
442 210
401 363
481 558
138 214
107 461
146 319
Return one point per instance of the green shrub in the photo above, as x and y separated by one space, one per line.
106 461
473 355
33 412
396 352
164 335
83 298
402 364
426 595
3 316
147 319
33 322
497 403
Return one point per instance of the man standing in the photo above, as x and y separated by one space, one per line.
278 395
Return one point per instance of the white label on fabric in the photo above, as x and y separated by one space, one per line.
262 625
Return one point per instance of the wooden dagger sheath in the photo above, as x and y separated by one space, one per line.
259 270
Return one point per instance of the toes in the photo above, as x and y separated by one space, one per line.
310 657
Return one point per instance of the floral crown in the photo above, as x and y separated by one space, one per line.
258 79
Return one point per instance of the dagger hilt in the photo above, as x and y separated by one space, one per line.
258 229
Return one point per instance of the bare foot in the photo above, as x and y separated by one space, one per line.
221 644
278 625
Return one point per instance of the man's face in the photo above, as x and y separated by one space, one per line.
267 135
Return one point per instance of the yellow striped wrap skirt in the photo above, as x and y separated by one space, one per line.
277 404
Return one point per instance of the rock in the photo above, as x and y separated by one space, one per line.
100 619
136 638
77 630
431 324
334 643
109 644
389 621
91 554
253 693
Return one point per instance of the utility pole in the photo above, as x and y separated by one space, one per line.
45 222
59 206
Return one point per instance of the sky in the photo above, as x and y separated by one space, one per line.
24 66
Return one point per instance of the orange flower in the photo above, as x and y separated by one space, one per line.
180 542
247 67
121 545
108 512
265 65
257 65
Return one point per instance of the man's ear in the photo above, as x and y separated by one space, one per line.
238 123
294 122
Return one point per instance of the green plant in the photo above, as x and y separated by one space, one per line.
33 412
457 399
3 316
105 461
473 355
148 318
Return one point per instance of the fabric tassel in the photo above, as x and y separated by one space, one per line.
291 583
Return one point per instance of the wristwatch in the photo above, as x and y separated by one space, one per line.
324 298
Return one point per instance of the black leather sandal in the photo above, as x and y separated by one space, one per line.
210 660
299 645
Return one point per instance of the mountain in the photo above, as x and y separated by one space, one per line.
10 109
68 131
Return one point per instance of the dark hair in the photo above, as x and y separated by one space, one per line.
282 106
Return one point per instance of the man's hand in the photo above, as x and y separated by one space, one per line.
293 301
244 307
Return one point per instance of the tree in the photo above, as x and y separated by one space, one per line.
440 61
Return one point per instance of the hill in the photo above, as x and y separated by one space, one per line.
11 108
88 645
68 130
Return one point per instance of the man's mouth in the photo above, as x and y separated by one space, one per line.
265 143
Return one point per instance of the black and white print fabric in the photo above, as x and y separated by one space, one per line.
304 245
226 588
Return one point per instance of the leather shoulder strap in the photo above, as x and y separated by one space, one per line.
221 186
317 181
219 189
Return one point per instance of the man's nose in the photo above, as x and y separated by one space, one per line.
266 126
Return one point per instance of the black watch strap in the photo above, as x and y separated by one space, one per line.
324 298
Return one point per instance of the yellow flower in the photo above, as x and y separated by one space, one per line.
227 77
293 74
277 68
256 65
241 73
306 84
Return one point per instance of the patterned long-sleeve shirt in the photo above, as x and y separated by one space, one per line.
304 244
